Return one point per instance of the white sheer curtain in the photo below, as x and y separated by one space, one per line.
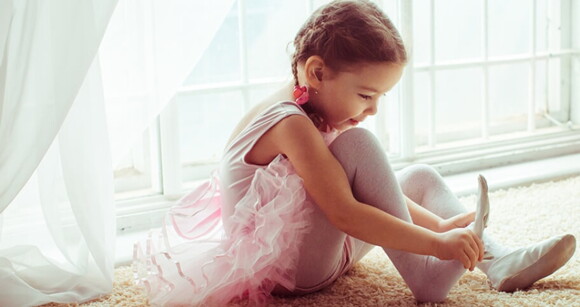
46 48
149 49
66 116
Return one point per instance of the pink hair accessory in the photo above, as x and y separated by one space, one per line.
301 94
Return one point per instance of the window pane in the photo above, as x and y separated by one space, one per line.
575 82
421 98
508 96
221 60
318 3
457 29
558 88
257 94
205 124
541 86
271 27
421 31
541 25
391 8
509 27
137 174
392 121
458 101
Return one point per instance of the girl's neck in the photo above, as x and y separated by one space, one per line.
286 94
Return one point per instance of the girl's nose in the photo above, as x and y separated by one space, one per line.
372 109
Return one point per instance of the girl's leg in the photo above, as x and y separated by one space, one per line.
425 186
373 182
507 269
322 255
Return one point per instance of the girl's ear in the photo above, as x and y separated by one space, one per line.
318 74
314 69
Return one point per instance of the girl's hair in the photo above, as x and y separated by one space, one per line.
348 32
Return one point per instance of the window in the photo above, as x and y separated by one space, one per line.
498 82
488 83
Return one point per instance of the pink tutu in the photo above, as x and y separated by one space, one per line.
192 261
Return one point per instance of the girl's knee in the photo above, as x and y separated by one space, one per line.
420 170
356 143
419 173
354 136
358 149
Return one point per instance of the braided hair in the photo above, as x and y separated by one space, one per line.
346 32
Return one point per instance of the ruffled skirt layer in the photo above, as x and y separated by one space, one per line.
192 261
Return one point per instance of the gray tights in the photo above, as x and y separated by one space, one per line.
322 256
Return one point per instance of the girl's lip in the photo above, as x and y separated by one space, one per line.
354 122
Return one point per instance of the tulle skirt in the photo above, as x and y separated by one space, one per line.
192 261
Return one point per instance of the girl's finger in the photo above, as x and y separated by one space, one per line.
468 218
472 255
465 260
464 219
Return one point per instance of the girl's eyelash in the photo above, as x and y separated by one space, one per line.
365 97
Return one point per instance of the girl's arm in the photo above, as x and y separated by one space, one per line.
326 182
431 221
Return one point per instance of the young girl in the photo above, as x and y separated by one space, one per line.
302 195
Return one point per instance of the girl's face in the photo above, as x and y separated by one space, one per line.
347 97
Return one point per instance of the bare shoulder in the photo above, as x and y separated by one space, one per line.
296 135
292 136
299 140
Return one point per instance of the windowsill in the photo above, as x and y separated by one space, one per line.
517 174
461 184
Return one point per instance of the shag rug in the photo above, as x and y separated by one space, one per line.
519 216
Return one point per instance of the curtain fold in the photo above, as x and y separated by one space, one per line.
65 251
67 115
47 51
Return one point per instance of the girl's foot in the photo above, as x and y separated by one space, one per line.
522 267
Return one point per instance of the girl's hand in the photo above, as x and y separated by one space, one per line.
460 244
459 221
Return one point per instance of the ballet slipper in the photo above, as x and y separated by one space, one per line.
482 210
482 216
521 268
509 270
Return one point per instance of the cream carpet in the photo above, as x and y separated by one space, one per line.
519 216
